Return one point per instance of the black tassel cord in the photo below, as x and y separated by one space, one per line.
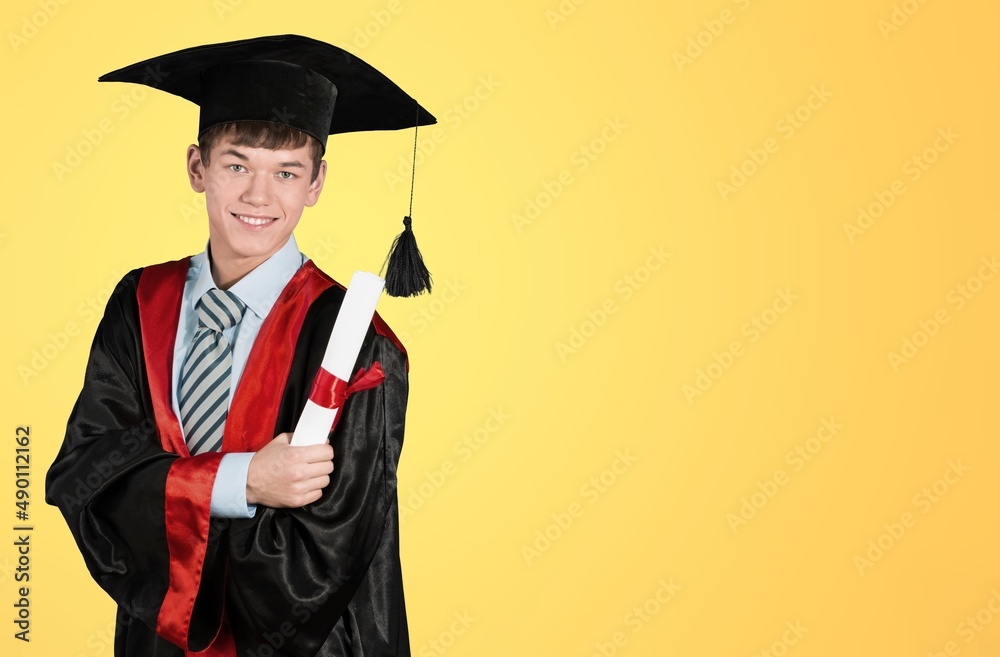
405 272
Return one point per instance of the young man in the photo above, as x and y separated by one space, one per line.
176 475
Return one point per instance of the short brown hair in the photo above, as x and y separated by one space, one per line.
261 134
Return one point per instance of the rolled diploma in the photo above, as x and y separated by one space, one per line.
341 355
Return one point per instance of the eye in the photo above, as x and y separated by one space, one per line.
238 168
286 175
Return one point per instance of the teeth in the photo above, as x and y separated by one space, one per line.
253 221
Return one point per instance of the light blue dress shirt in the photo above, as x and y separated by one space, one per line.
258 290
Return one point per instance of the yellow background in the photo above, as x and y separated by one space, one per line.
558 340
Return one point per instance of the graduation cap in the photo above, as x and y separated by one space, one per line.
302 83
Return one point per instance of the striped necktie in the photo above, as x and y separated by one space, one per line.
205 375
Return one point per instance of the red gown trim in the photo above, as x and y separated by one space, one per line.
190 479
254 410
381 328
159 294
189 485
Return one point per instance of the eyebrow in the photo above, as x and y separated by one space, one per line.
241 156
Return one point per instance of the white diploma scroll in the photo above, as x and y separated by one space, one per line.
341 355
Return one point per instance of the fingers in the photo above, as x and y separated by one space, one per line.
311 497
306 492
299 453
306 453
318 483
312 453
308 471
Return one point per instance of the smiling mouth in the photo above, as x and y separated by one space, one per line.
253 221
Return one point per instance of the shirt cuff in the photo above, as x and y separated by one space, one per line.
229 492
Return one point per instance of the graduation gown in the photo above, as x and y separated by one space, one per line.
324 579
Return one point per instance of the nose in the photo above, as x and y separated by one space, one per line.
257 191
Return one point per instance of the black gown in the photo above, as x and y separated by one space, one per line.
324 579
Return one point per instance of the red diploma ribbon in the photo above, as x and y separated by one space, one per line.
330 391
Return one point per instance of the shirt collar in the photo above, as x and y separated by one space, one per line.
261 287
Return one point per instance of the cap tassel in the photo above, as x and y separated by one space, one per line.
406 275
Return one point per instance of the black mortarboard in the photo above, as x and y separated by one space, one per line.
296 81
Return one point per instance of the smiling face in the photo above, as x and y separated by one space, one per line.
254 197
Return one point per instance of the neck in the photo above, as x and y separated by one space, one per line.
227 276
227 272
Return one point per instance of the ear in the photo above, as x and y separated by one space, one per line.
316 186
195 169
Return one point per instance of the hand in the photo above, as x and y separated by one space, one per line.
282 476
